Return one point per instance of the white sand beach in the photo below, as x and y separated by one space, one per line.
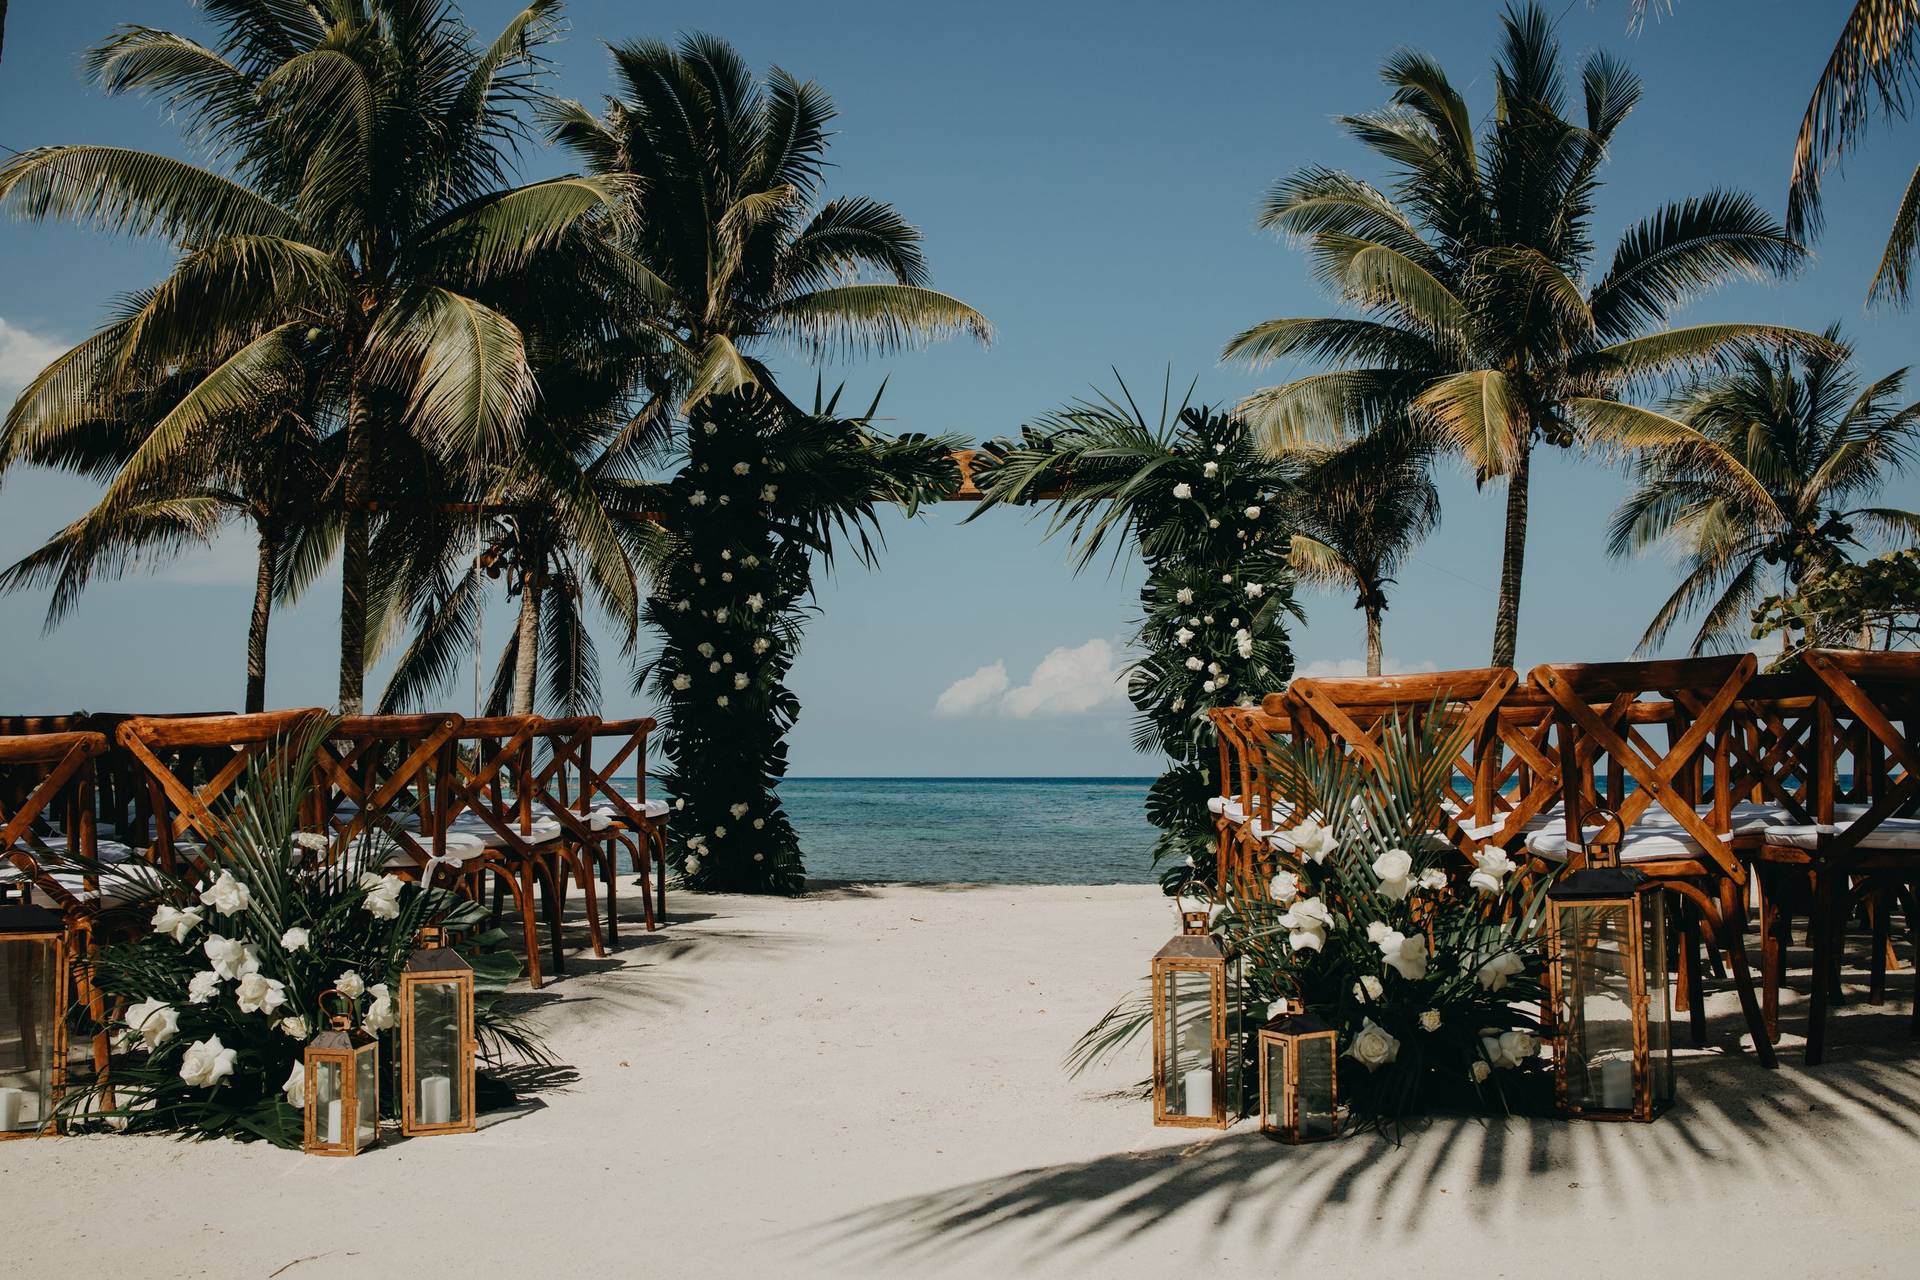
867 1081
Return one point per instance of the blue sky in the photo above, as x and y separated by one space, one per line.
1087 175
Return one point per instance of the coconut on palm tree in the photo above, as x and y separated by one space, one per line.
1477 314
355 205
1358 511
1778 489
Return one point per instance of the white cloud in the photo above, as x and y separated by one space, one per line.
23 354
1069 681
1329 667
971 694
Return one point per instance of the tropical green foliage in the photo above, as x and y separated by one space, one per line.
234 955
767 493
1476 322
334 251
1773 492
1206 512
1859 604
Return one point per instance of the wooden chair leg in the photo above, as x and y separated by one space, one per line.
1773 946
607 855
1690 988
553 885
577 860
1733 944
1910 903
1825 964
1878 916
641 847
660 881
529 925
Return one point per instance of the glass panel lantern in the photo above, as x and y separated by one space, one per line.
343 1088
436 1040
1299 1078
1190 1028
1607 954
33 1025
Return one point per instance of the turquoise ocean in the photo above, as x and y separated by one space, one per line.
998 830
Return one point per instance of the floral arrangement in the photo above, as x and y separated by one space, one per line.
766 491
1202 503
1426 966
216 986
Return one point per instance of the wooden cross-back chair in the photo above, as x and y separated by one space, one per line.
46 818
385 779
190 765
1610 716
1865 848
1246 813
494 798
601 821
1355 714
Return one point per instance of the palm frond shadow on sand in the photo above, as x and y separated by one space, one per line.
1734 1126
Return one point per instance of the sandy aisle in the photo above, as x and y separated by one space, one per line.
867 1082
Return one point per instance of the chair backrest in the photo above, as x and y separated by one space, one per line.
629 749
386 776
51 774
1877 693
493 772
188 764
1613 713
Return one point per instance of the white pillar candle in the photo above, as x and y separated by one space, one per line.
1199 1095
333 1121
434 1101
1616 1084
13 1109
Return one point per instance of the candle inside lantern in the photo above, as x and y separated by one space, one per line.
1616 1084
16 1109
333 1121
435 1100
1199 1092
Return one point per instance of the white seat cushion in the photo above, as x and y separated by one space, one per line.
1656 837
595 820
104 849
128 883
542 830
1498 823
460 846
1892 833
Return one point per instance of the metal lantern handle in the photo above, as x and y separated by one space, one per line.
341 1022
1601 852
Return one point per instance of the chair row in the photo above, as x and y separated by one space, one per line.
526 803
1797 793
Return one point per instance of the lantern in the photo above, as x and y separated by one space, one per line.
33 1024
1190 1028
343 1087
1299 1089
436 1040
1607 958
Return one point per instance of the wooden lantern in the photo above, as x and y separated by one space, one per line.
343 1087
1190 1029
1607 961
436 1040
33 1025
1299 1078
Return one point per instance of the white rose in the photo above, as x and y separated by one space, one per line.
1394 867
741 468
1306 922
759 824
310 841
257 993
738 811
295 1086
154 1022
1373 1048
1194 664
768 492
697 498
1284 887
762 645
1507 1049
1226 577
380 1014
706 650
1253 513
1479 1071
682 682
1430 1020
693 865
1207 687
1405 956
383 895
350 984
719 833
296 1026
1432 878
756 602
722 700
175 922
1213 524
1494 973
230 957
719 615
1368 988
207 1063
1211 469
740 680
1255 591
1219 448
1377 930
226 895
1311 840
1490 870
295 939
1183 636
1184 595
1179 704
204 987
713 668
1183 490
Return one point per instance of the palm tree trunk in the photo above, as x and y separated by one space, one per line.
526 665
1506 622
262 615
355 563
1373 639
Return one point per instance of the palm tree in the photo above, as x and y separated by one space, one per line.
1477 321
1874 61
1358 512
265 465
731 243
1789 448
355 209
